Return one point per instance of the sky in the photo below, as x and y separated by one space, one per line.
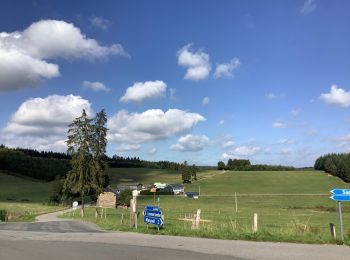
200 81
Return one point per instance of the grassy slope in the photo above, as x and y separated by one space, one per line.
23 197
281 218
16 188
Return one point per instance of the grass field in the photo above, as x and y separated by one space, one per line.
291 206
23 197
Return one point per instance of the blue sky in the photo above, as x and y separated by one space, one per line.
200 81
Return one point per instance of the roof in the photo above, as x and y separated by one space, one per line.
110 189
176 186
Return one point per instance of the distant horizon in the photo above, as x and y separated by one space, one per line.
200 81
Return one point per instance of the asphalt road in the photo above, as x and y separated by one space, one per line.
53 238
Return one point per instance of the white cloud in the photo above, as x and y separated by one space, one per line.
308 7
197 63
190 143
279 125
221 122
246 151
241 152
229 143
295 112
24 54
205 101
153 124
271 95
153 150
337 96
128 147
286 151
100 22
42 123
226 69
141 91
285 141
342 141
95 86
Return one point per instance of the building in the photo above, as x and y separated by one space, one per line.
160 185
192 194
175 188
130 186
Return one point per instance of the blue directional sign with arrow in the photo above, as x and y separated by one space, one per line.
153 215
340 194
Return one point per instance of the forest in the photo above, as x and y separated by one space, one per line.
337 164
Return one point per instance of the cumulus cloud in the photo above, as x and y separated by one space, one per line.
42 123
196 62
190 143
141 91
128 147
279 125
205 101
308 7
24 54
226 69
153 124
100 22
241 152
229 143
95 86
337 96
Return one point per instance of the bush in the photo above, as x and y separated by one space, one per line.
124 198
3 215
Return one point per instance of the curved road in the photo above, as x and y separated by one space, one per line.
54 238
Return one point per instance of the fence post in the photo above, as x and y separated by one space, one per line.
255 223
332 227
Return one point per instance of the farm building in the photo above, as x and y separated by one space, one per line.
192 194
130 186
110 189
175 188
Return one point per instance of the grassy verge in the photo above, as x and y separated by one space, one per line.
26 212
293 223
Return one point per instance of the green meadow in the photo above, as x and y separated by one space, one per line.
23 197
291 206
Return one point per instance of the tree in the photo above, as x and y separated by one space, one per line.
100 178
221 165
79 179
194 172
185 173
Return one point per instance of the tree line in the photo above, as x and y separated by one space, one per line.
335 164
23 163
245 165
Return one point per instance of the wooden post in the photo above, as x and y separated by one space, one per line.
199 190
332 227
196 219
341 222
122 220
236 202
105 213
255 223
132 213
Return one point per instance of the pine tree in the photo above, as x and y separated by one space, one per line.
79 178
98 147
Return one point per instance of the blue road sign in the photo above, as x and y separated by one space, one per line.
341 192
154 214
152 208
340 197
153 221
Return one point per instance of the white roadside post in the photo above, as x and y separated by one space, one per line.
135 193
